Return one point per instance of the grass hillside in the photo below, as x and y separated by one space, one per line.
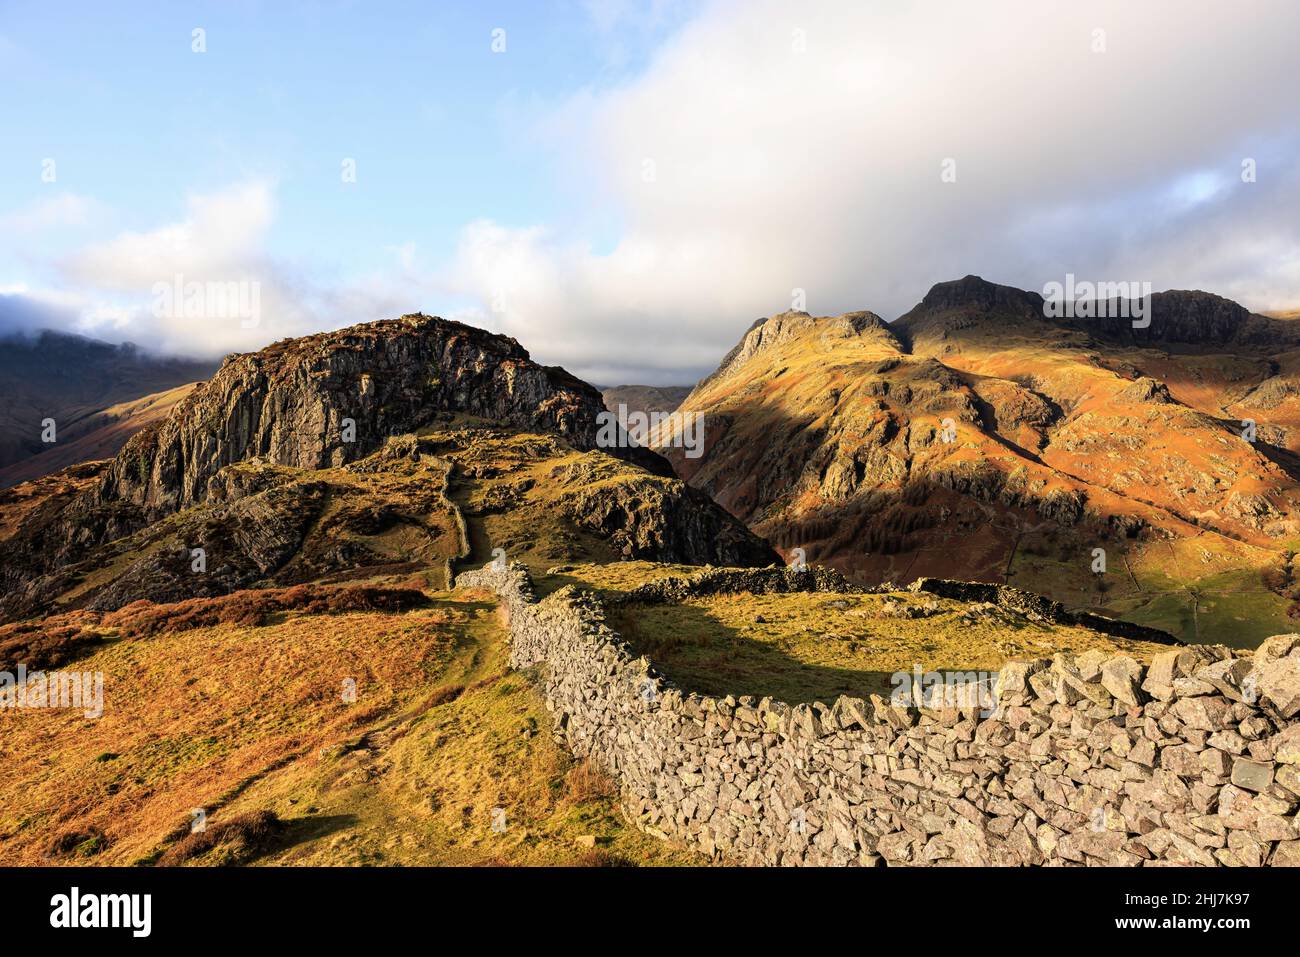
804 647
239 705
251 724
97 436
815 647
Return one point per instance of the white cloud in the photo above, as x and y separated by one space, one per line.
53 212
219 241
774 169
769 146
139 285
218 237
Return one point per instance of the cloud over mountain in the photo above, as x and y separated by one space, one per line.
764 148
769 148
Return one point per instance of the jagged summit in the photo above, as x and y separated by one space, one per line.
776 330
1177 316
331 398
969 302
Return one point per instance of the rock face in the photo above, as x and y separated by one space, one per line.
1087 761
330 399
1199 318
666 521
318 402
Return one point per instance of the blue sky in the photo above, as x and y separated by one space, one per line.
629 185
284 92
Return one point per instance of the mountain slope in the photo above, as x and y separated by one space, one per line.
82 384
97 436
977 438
648 399
333 455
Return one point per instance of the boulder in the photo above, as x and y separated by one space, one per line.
1278 680
1251 775
1121 676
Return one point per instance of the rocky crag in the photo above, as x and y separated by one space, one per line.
279 440
330 399
1194 760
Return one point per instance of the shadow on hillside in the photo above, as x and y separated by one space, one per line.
699 653
1285 459
302 830
953 519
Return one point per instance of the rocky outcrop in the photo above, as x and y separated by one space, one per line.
330 399
1193 317
770 332
1194 760
665 521
1145 389
961 303
318 402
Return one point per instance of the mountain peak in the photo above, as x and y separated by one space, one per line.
331 398
1190 317
963 303
772 331
975 292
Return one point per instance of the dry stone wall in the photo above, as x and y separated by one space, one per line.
1037 608
1194 760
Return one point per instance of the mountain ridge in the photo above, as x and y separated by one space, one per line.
976 431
